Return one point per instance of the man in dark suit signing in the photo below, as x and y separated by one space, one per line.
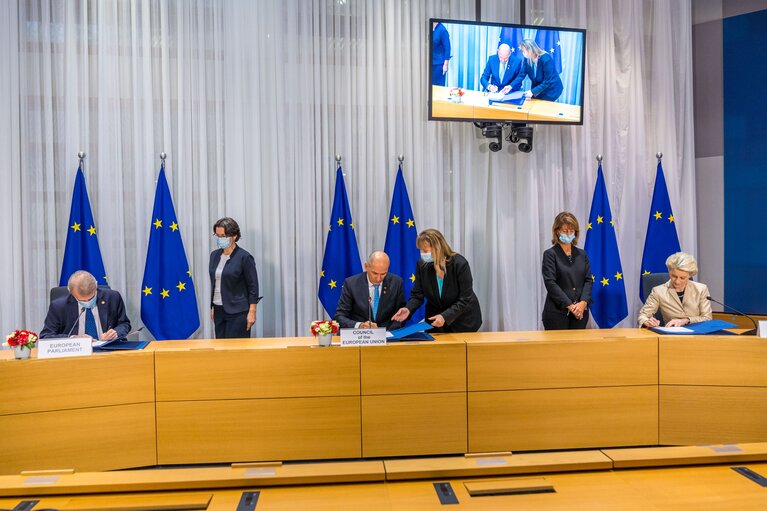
502 72
99 313
369 299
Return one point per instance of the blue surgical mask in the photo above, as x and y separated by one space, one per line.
89 304
566 238
223 242
426 257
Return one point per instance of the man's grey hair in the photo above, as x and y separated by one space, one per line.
83 282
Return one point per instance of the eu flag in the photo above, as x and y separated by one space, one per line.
661 240
512 37
609 305
168 300
400 240
548 41
82 250
342 257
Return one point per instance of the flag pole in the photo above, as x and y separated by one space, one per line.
401 158
162 159
659 156
81 156
599 158
338 160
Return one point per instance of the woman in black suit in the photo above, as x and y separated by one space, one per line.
234 283
443 278
567 276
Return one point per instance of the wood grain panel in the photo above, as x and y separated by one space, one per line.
414 368
302 371
563 418
687 455
562 364
691 415
413 424
102 379
258 429
709 360
102 438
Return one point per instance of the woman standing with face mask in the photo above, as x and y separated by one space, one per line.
443 278
234 283
567 276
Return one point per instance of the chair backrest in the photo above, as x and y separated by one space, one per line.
651 280
59 291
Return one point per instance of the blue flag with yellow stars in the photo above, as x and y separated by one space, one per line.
342 257
168 300
513 37
548 41
609 305
400 241
82 250
661 240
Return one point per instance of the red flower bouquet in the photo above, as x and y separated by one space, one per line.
23 338
324 327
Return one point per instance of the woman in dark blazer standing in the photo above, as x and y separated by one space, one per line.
443 278
567 276
234 283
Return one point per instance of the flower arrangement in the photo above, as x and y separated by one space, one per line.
456 93
23 338
324 327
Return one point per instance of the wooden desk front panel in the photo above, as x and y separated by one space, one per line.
301 371
258 430
102 379
709 360
413 424
694 415
563 418
88 439
413 368
562 364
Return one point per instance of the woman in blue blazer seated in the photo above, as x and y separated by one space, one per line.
234 283
539 66
443 278
567 276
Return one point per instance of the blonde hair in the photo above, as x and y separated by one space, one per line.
440 250
562 219
682 261
532 47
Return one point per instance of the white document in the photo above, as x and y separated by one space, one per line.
673 330
762 328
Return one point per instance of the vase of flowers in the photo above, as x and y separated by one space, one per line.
22 342
324 330
455 94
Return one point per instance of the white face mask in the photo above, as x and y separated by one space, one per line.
426 257
566 238
223 242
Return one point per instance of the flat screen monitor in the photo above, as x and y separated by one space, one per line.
506 73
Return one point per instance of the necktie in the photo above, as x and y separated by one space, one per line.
90 324
376 299
502 72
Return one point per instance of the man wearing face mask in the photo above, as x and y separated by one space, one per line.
87 310
233 282
567 276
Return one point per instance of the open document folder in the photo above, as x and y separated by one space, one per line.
415 332
702 328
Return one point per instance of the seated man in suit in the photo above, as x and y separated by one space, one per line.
88 310
369 299
502 73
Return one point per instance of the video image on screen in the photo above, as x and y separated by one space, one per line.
506 73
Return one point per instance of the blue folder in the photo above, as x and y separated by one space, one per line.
702 328
118 345
415 332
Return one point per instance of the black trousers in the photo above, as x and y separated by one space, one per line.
559 321
230 326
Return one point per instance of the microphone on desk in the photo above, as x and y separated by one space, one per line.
77 321
370 311
747 332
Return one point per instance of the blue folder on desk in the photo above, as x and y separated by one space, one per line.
512 98
118 345
415 332
702 328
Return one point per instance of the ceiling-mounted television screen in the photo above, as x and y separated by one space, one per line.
506 73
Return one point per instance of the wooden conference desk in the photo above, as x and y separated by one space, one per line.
207 401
